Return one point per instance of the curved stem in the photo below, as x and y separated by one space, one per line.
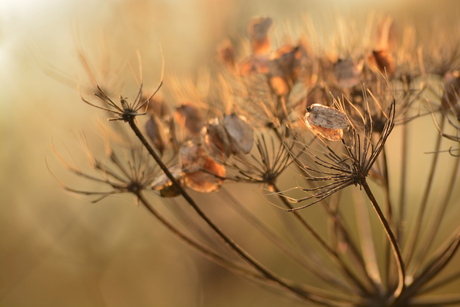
414 239
392 238
391 219
326 247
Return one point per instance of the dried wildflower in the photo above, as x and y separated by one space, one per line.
274 88
125 111
265 165
353 166
257 31
125 169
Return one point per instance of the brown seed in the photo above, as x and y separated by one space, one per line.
257 30
328 134
383 61
347 72
163 181
240 132
192 157
189 118
216 140
207 180
326 117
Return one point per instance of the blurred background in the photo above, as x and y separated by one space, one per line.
60 250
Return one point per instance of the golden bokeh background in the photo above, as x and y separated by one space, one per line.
61 250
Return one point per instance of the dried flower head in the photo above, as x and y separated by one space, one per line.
352 164
125 169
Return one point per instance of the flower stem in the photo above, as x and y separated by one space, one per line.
392 238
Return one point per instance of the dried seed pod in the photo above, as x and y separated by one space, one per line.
257 30
189 117
347 72
226 53
326 117
240 132
207 180
156 132
326 122
216 140
386 35
382 61
284 68
169 191
163 181
192 157
158 107
328 134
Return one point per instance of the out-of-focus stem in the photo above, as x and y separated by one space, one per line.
415 232
326 247
206 252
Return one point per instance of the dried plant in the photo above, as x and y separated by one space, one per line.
333 129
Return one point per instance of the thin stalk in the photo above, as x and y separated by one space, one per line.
228 264
400 227
415 232
311 266
206 252
440 212
335 256
391 237
391 220
442 257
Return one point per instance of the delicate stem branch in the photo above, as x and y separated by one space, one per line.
392 238
206 252
414 239
326 247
